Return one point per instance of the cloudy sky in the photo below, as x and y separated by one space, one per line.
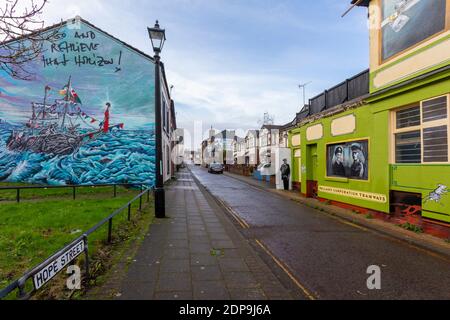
230 61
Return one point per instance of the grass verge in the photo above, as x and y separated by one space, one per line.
33 230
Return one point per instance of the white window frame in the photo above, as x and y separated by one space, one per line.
420 127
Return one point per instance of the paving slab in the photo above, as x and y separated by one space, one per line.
196 253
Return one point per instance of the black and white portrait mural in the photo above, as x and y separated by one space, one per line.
348 160
408 22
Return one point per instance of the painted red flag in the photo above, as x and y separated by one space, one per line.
106 120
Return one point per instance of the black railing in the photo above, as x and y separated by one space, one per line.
348 90
73 187
20 283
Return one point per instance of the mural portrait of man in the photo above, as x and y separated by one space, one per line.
358 165
338 162
348 160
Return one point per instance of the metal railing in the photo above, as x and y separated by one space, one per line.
20 283
73 187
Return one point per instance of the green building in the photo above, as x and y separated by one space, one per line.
380 140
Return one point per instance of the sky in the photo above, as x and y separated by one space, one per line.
230 61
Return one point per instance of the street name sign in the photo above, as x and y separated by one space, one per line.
59 263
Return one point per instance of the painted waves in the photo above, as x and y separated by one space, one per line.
117 157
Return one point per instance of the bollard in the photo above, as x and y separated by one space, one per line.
140 203
115 191
129 212
74 192
18 196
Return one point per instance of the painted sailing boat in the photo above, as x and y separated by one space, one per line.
56 128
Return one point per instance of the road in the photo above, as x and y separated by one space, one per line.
328 257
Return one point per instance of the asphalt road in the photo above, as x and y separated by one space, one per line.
328 256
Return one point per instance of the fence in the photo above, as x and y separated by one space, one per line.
240 169
350 89
52 266
74 188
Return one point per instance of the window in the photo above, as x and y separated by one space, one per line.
435 144
435 109
408 147
168 159
168 124
421 132
408 117
163 112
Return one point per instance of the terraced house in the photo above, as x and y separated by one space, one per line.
379 141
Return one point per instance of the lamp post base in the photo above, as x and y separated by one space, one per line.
160 203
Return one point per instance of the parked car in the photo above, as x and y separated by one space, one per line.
215 168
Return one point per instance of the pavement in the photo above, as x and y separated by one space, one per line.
196 253
228 237
326 256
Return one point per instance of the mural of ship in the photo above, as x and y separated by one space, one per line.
56 128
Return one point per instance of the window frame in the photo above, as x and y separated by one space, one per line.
421 127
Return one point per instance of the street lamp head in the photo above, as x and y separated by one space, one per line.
158 37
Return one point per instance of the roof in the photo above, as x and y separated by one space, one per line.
271 126
253 133
225 133
363 3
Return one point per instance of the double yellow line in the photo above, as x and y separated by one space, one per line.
308 294
284 267
234 214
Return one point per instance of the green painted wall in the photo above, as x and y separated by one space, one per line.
374 127
373 123
424 179
420 178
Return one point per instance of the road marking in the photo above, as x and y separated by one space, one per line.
233 213
309 295
246 225
350 223
386 236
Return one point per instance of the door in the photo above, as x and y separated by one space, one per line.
311 172
297 170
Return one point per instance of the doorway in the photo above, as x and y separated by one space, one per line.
311 171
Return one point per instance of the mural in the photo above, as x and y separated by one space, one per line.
408 22
437 194
348 160
86 116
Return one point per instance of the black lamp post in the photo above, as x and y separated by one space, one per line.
158 37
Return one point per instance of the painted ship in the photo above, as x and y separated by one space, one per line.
57 128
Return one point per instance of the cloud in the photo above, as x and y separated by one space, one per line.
231 60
